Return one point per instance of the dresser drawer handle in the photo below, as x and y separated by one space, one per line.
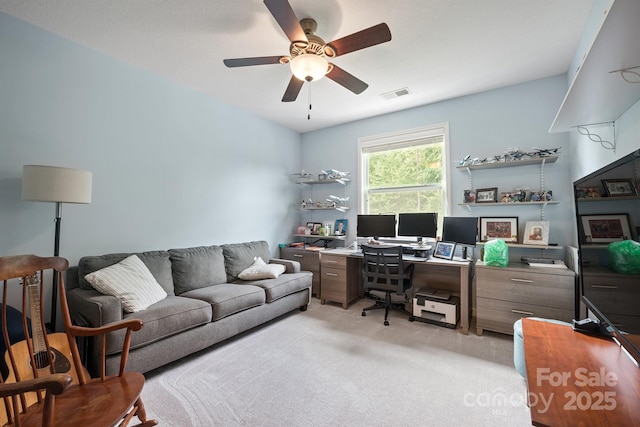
604 286
522 280
330 261
528 313
332 274
298 256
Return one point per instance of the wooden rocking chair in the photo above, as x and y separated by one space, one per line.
47 385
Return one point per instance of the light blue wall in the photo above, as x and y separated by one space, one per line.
171 167
481 125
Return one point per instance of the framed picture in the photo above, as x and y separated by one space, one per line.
340 227
302 230
315 228
605 228
503 227
444 250
619 187
487 195
536 233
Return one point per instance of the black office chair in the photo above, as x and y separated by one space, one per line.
383 270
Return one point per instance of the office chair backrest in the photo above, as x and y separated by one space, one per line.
383 269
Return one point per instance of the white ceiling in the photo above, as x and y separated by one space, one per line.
440 49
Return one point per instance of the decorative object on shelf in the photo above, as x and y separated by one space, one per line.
322 177
619 187
341 227
542 196
487 195
536 233
302 176
507 197
315 228
302 230
469 196
522 195
444 250
605 228
505 228
510 155
335 174
588 193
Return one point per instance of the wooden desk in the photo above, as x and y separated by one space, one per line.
578 380
449 275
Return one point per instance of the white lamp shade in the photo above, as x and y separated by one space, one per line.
56 184
309 67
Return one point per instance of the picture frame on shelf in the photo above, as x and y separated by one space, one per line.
302 229
340 228
315 228
444 250
605 228
503 227
536 233
619 187
487 195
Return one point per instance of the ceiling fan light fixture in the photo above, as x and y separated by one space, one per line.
309 67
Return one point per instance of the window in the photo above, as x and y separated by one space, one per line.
405 171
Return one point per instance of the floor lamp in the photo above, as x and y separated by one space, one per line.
57 185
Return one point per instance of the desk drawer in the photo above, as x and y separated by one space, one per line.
613 294
333 280
500 316
333 261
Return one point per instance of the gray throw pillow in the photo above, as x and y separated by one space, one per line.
238 256
195 268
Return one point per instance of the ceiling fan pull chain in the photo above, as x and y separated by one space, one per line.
309 97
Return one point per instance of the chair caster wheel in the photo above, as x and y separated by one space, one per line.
411 319
364 314
386 323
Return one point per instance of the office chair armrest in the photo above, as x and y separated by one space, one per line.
55 384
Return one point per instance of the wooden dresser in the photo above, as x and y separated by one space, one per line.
504 295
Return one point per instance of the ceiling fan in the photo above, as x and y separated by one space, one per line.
308 53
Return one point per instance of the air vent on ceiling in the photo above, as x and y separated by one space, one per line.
395 93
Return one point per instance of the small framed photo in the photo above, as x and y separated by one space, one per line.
315 228
619 187
444 250
487 195
605 228
505 228
302 230
340 228
536 233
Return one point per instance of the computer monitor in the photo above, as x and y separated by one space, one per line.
376 226
423 224
462 230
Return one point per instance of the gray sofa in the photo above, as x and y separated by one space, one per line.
206 302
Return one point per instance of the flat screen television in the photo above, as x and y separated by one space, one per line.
607 206
376 226
420 225
462 230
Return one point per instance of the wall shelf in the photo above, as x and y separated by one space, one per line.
512 163
318 237
342 181
608 199
550 202
597 94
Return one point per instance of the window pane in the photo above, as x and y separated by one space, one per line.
406 166
407 201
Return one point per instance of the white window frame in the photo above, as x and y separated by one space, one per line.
399 139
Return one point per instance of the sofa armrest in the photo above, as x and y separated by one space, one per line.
91 308
290 265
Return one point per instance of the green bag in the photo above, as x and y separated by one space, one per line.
624 257
496 253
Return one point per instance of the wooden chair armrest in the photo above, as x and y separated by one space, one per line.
83 331
55 384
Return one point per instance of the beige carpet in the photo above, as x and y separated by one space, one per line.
333 367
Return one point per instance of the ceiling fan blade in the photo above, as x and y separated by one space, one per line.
286 18
368 37
293 89
245 62
347 80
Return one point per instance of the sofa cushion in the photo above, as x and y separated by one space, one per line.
227 299
261 270
157 262
168 317
130 281
285 284
238 256
195 268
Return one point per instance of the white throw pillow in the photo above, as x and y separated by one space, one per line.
130 281
260 270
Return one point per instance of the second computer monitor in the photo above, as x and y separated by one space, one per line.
462 230
376 226
423 224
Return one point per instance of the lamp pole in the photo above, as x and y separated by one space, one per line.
56 252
